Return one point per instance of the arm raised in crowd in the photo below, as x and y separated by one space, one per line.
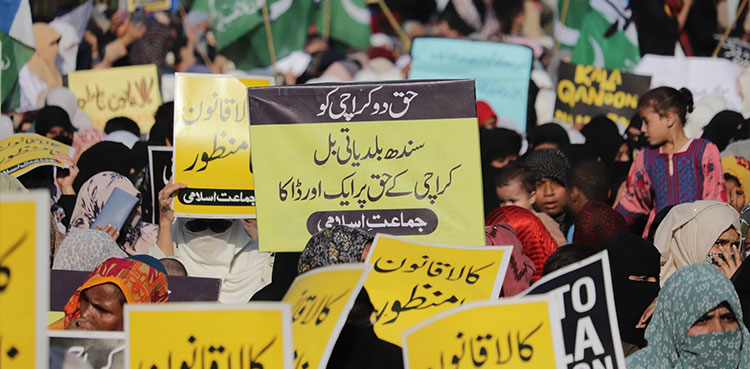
166 217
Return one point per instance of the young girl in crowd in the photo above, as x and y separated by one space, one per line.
674 169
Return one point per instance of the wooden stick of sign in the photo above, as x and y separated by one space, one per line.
392 20
729 29
326 32
269 39
563 17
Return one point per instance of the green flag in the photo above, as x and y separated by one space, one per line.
289 23
232 19
602 44
349 21
15 55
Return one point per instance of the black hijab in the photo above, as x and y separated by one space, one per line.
630 255
724 128
105 156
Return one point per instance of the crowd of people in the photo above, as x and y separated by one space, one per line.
667 197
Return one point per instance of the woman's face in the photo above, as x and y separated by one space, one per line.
735 195
719 319
729 238
100 309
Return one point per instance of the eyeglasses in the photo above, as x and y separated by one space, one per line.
216 225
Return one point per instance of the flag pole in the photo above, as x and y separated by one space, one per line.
729 29
326 32
269 39
392 20
563 17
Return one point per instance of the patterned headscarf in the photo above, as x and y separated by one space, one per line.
537 243
138 282
336 245
94 193
738 167
85 249
548 163
686 296
598 222
521 268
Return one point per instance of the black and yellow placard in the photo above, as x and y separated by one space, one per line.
208 335
509 333
212 145
585 91
398 158
23 152
24 279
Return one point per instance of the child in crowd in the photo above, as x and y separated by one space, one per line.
675 169
515 185
550 170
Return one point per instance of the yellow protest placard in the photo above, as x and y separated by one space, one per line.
411 281
131 92
24 279
321 300
517 333
212 145
149 5
23 152
210 335
376 156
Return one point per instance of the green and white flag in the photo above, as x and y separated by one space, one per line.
17 38
349 21
600 33
232 19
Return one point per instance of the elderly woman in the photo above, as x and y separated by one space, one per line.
699 232
97 305
695 324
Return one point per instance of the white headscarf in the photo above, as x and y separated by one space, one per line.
231 256
689 231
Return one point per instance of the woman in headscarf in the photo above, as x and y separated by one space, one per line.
737 180
137 236
537 243
520 268
695 324
634 265
84 249
597 222
724 128
40 74
98 303
336 245
699 232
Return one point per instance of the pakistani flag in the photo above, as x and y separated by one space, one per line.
232 18
349 21
600 33
17 40
290 20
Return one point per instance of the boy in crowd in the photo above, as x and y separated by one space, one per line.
550 170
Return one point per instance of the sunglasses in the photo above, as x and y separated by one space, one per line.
216 225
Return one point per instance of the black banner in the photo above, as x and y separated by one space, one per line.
362 102
736 50
160 169
584 91
589 323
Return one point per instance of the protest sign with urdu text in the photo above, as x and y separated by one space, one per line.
24 279
584 91
513 333
254 335
397 158
23 152
212 145
131 92
411 281
96 348
502 71
583 291
160 169
321 300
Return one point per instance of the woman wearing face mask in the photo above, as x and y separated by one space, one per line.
214 248
695 324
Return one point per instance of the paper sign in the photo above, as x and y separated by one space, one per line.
583 291
411 281
321 300
24 279
501 71
23 152
149 5
98 349
212 146
398 158
518 333
192 335
702 76
160 169
131 92
584 91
